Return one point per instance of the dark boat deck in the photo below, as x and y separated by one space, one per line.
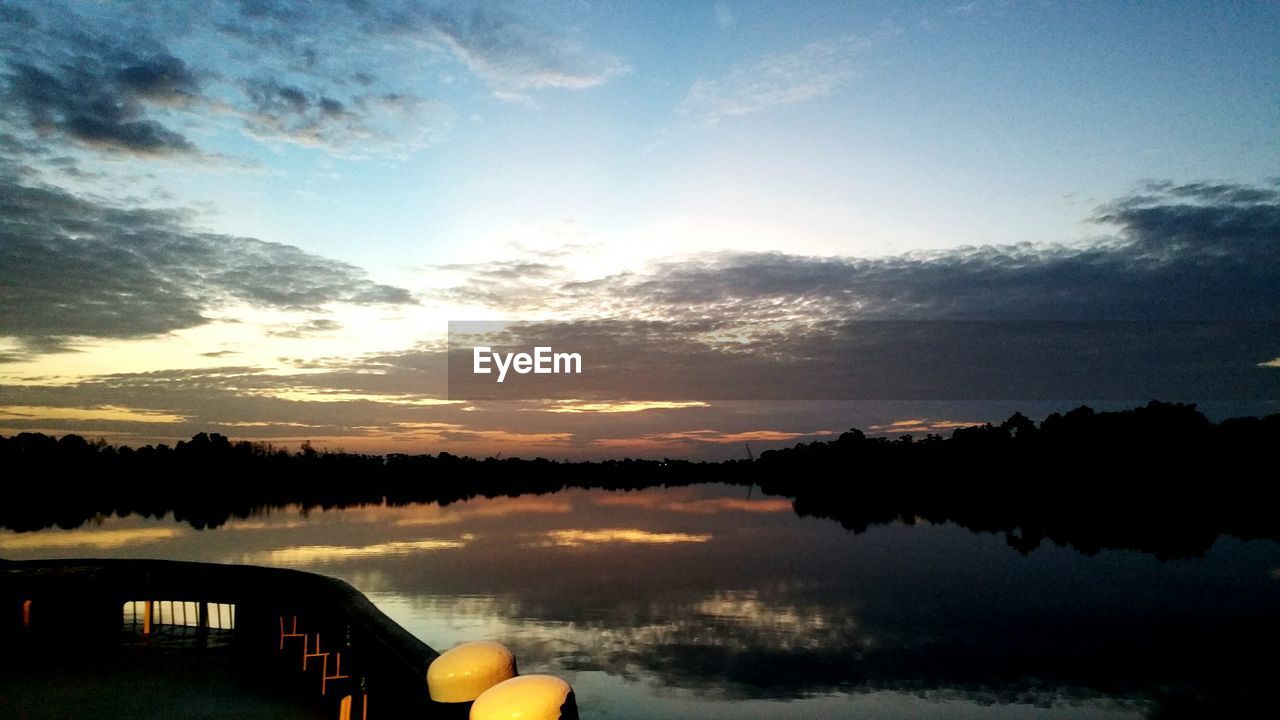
167 679
163 639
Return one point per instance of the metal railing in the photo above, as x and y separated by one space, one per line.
146 616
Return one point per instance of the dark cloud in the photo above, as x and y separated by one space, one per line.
741 360
111 82
1201 223
364 122
300 31
17 17
114 87
291 112
1179 252
1193 270
162 79
1186 252
71 266
65 80
102 101
1204 192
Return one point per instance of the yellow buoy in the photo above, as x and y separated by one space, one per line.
530 697
462 673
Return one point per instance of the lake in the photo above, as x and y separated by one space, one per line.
712 601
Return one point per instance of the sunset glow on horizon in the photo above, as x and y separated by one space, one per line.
258 220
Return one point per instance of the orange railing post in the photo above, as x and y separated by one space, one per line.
292 633
308 655
325 677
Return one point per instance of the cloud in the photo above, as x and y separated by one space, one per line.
346 406
711 327
633 536
1196 251
100 412
724 15
719 437
17 17
332 554
572 406
95 539
511 54
1184 252
686 500
1180 290
287 103
103 102
342 76
77 267
920 425
775 80
513 57
513 285
109 89
1203 222
116 88
309 56
315 326
368 122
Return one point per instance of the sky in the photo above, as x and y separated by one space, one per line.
258 218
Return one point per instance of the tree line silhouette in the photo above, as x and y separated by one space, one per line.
1161 478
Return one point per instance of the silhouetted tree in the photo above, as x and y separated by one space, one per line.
1083 478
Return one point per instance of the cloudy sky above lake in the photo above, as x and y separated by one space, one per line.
257 218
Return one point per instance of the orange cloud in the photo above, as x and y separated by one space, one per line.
96 412
577 406
97 539
319 554
708 436
489 508
918 425
682 502
575 538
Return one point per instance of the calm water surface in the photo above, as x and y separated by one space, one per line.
701 602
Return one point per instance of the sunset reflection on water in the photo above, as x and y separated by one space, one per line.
704 602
